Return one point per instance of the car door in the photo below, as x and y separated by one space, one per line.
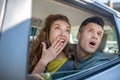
15 18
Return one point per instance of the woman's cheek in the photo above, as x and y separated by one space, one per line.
68 38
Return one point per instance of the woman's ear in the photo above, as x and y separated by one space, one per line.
78 35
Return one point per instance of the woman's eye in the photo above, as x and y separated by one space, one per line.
68 31
90 30
57 28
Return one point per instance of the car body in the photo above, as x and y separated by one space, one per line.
18 16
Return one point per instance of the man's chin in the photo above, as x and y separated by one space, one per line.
91 51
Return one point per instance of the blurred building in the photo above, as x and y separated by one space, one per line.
115 4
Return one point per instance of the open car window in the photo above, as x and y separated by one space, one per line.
76 11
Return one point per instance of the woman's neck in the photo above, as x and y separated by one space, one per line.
60 56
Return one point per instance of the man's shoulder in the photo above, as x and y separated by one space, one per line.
100 55
97 59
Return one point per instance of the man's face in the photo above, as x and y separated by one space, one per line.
90 37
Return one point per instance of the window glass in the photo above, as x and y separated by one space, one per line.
111 44
111 47
108 46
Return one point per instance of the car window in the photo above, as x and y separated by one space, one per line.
109 45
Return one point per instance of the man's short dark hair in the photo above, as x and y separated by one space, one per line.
96 20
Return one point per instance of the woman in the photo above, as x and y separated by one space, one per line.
51 51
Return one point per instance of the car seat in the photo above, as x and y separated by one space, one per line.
103 42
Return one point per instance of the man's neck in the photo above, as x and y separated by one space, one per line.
82 55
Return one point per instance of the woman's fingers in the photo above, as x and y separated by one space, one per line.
44 46
55 42
54 50
60 47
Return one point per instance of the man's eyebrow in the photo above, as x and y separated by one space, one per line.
98 31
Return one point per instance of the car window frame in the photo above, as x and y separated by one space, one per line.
81 75
3 4
108 14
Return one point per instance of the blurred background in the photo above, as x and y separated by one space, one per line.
115 4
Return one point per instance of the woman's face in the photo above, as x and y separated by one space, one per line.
60 30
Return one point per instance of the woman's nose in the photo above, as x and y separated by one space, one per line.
63 32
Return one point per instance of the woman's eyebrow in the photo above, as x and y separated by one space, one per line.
60 25
56 25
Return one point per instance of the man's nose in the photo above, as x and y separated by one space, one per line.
95 35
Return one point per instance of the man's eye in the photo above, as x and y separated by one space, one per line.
99 34
89 30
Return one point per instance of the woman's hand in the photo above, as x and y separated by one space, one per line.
49 54
53 51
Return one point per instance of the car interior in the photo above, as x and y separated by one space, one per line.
76 16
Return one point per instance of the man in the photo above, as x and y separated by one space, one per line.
89 38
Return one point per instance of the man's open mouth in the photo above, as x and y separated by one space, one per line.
92 43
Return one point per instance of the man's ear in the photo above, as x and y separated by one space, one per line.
78 35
